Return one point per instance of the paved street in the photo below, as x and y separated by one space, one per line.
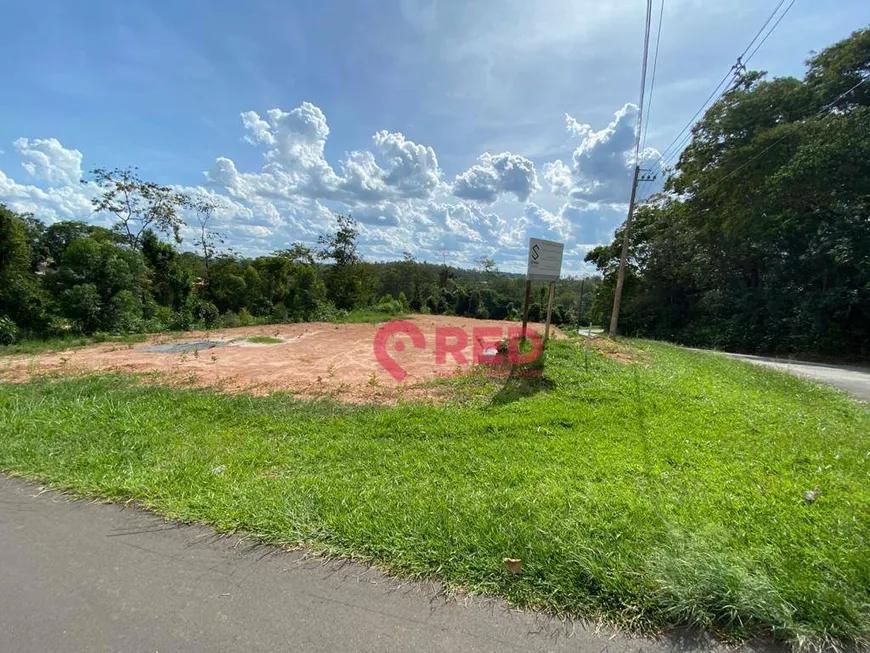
80 576
854 380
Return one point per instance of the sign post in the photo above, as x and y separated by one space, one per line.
549 310
545 264
526 306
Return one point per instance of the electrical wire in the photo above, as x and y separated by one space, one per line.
643 71
782 138
670 152
652 84
778 21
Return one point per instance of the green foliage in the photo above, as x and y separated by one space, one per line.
67 341
137 205
9 331
343 281
657 493
99 285
762 240
264 340
154 287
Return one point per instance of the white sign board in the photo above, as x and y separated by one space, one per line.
545 260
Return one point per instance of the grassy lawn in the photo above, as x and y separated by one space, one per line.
66 342
669 491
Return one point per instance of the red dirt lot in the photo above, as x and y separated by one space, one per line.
314 359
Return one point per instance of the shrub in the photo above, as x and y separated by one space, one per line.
230 320
205 313
245 318
126 312
8 331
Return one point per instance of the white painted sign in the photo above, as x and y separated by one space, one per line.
545 260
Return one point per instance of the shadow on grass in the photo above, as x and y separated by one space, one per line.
520 383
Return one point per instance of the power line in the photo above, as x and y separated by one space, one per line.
620 276
783 137
778 21
766 23
669 152
643 80
652 84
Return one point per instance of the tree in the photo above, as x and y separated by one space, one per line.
208 239
137 205
21 298
486 264
343 283
297 253
57 237
340 247
99 285
761 241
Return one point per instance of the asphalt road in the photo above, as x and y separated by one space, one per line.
854 380
80 576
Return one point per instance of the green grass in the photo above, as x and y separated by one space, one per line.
264 340
38 346
648 495
367 315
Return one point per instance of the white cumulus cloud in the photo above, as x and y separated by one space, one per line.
47 160
602 164
497 174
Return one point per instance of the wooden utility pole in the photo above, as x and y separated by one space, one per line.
526 306
549 310
626 237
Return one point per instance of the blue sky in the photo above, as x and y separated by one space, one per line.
449 128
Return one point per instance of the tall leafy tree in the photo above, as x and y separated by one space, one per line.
138 205
761 241
343 280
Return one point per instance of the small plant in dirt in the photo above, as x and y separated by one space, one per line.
264 340
331 370
373 380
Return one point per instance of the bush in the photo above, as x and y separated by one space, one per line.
245 318
126 312
326 312
279 313
205 313
9 332
230 320
161 319
82 304
392 307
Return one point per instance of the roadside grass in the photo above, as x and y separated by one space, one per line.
264 340
366 315
38 346
661 492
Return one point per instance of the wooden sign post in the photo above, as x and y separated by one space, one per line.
545 264
549 310
526 306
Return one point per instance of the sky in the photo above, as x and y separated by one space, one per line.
450 129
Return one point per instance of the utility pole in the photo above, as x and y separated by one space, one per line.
623 258
626 236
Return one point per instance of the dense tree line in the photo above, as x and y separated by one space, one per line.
74 277
761 239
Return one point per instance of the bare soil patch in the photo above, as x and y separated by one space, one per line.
313 359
